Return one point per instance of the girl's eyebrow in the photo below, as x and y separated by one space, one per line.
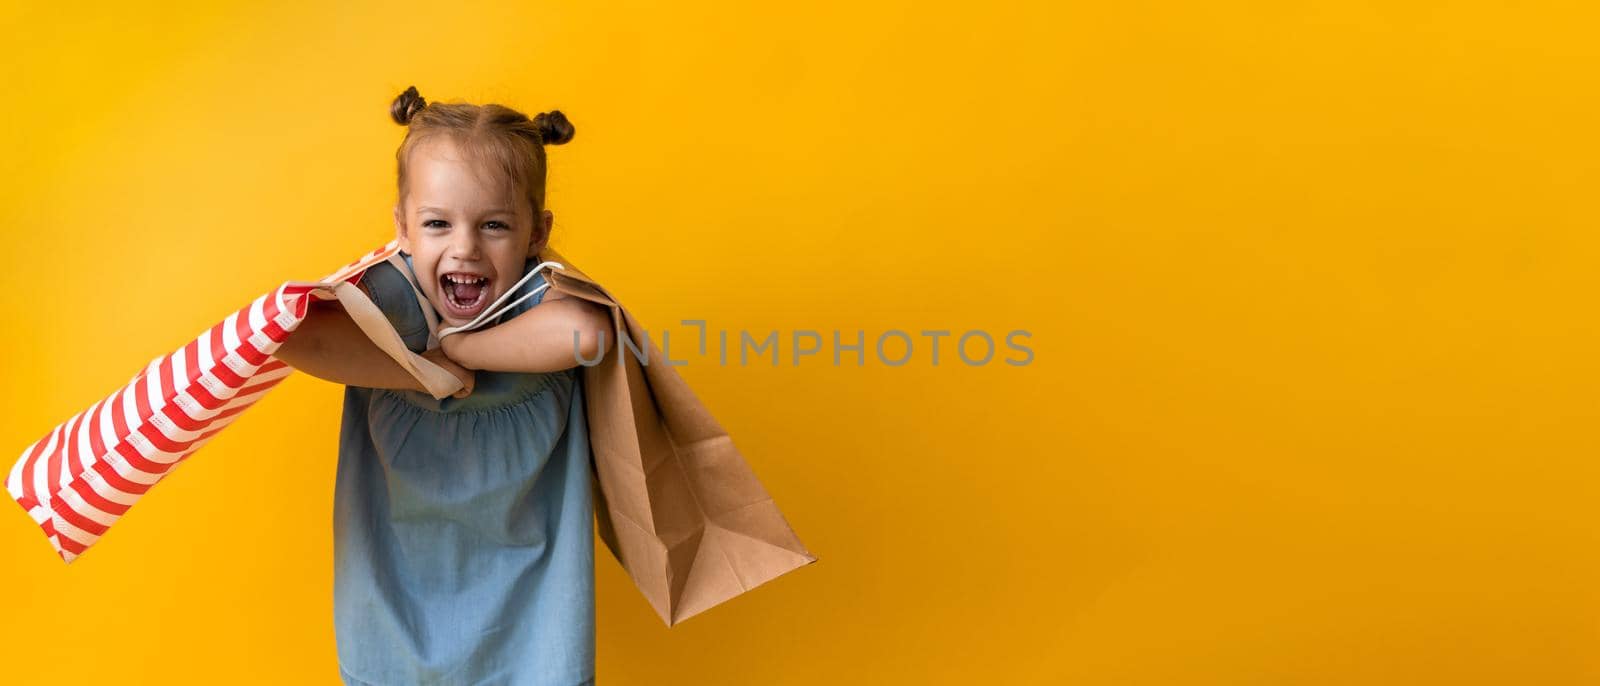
497 210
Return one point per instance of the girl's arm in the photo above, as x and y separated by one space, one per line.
330 346
536 341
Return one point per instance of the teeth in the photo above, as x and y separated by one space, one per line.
449 294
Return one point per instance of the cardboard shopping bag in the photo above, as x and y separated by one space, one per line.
83 475
679 506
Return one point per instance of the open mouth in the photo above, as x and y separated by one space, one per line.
465 294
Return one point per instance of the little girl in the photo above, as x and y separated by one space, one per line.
463 527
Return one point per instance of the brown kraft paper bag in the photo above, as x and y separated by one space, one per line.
677 504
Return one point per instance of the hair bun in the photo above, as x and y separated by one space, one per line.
553 127
406 106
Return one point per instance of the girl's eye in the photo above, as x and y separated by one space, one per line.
493 224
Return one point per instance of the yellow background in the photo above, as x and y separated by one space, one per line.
1310 288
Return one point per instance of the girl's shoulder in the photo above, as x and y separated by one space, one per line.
391 291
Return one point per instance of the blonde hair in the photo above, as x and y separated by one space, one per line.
506 140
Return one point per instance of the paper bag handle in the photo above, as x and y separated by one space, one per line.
399 262
440 382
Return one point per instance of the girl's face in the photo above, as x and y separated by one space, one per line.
467 239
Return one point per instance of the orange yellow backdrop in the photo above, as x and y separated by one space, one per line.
1309 288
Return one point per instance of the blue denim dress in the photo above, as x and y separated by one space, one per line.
463 527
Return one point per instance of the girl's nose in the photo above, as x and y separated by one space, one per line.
464 245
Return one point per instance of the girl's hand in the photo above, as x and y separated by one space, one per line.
439 357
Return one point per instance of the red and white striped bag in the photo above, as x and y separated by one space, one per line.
78 479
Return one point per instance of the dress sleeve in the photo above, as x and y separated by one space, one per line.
392 293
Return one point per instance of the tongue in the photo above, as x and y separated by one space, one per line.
465 292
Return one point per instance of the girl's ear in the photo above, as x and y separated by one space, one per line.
540 234
400 229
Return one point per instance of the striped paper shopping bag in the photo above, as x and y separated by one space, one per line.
77 480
